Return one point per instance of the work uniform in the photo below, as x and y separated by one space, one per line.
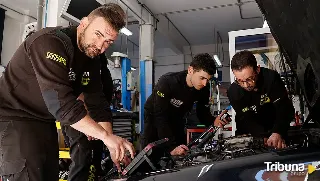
166 107
98 145
265 111
87 155
40 85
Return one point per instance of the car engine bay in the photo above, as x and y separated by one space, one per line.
206 150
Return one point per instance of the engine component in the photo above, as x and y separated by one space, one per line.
205 149
240 141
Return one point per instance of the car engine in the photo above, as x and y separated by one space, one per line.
205 149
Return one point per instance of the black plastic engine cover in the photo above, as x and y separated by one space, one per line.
295 26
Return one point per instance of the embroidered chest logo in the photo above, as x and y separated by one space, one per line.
57 58
264 99
160 94
175 102
72 75
85 78
252 108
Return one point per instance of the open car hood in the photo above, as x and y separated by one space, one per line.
295 27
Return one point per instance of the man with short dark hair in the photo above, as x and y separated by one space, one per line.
41 84
172 97
260 100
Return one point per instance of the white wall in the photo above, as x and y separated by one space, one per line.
211 49
166 60
1 70
14 26
12 34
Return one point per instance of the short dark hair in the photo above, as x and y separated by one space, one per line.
110 12
243 59
205 62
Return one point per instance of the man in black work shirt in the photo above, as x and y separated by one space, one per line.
43 79
172 97
260 100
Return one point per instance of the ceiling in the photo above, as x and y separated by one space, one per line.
197 22
28 7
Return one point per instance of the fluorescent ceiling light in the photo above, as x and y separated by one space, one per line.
125 31
218 62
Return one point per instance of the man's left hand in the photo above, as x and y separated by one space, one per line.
276 141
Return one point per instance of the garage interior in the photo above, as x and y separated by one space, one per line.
163 36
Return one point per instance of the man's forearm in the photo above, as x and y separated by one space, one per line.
106 126
89 127
284 115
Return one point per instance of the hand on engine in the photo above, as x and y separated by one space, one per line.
276 141
179 150
221 123
125 161
117 147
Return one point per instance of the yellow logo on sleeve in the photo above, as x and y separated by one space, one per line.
245 109
57 58
160 94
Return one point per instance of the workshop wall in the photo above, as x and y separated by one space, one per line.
12 34
14 27
165 61
168 61
211 49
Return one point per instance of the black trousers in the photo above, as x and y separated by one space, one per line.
29 151
85 155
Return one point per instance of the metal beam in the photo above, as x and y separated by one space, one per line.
138 11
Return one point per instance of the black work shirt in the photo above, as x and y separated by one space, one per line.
165 109
46 75
106 78
265 111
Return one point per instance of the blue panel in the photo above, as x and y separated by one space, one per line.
125 94
251 38
142 70
252 41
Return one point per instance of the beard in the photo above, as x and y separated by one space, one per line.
250 88
90 50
